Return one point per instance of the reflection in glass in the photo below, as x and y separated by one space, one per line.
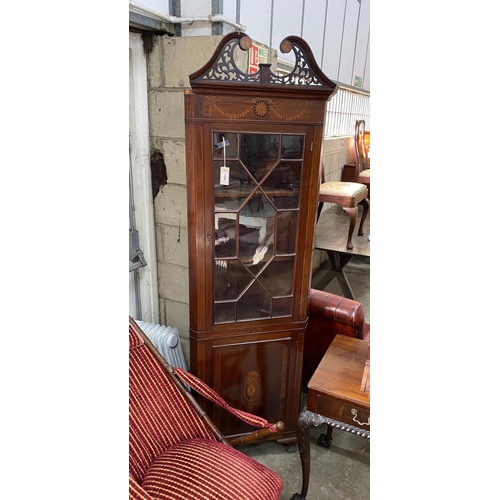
254 304
292 146
256 230
231 279
286 232
229 140
230 197
225 235
282 185
238 175
225 312
259 152
282 307
277 277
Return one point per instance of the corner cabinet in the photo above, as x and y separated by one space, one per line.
253 151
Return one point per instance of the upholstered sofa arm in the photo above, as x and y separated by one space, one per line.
330 315
336 314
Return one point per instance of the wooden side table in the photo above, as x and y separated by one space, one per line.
338 395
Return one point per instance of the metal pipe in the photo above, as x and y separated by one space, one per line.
218 18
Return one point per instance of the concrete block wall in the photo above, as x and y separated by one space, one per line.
170 63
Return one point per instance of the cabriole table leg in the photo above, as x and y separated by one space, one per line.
305 420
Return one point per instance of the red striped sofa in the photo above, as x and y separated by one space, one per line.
175 451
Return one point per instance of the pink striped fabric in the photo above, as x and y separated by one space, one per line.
159 416
136 492
202 469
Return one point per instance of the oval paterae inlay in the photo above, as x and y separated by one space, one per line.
252 389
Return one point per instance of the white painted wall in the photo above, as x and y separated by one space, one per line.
141 179
287 21
256 16
362 43
196 8
159 5
314 24
229 10
348 42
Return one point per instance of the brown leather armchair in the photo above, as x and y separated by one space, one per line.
329 315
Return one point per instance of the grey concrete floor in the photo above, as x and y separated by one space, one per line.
341 472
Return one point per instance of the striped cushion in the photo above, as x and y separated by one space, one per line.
159 416
365 173
135 491
202 469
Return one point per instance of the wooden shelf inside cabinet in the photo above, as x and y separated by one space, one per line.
253 150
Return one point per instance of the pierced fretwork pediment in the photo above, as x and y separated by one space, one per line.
223 69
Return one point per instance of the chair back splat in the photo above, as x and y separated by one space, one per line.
175 451
360 171
360 148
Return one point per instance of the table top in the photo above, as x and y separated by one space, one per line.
343 373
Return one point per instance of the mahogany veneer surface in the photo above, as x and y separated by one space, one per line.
340 384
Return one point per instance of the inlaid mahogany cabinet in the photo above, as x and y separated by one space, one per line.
253 150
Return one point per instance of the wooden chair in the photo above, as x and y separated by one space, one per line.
175 451
360 171
349 195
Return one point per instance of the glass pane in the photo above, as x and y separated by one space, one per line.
258 152
292 146
231 279
255 304
229 140
225 235
282 307
256 230
225 312
277 277
286 232
282 185
230 197
283 176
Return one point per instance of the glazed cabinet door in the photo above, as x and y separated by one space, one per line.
258 185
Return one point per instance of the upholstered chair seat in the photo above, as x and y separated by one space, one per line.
349 195
202 469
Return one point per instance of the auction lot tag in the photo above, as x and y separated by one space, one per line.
224 176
